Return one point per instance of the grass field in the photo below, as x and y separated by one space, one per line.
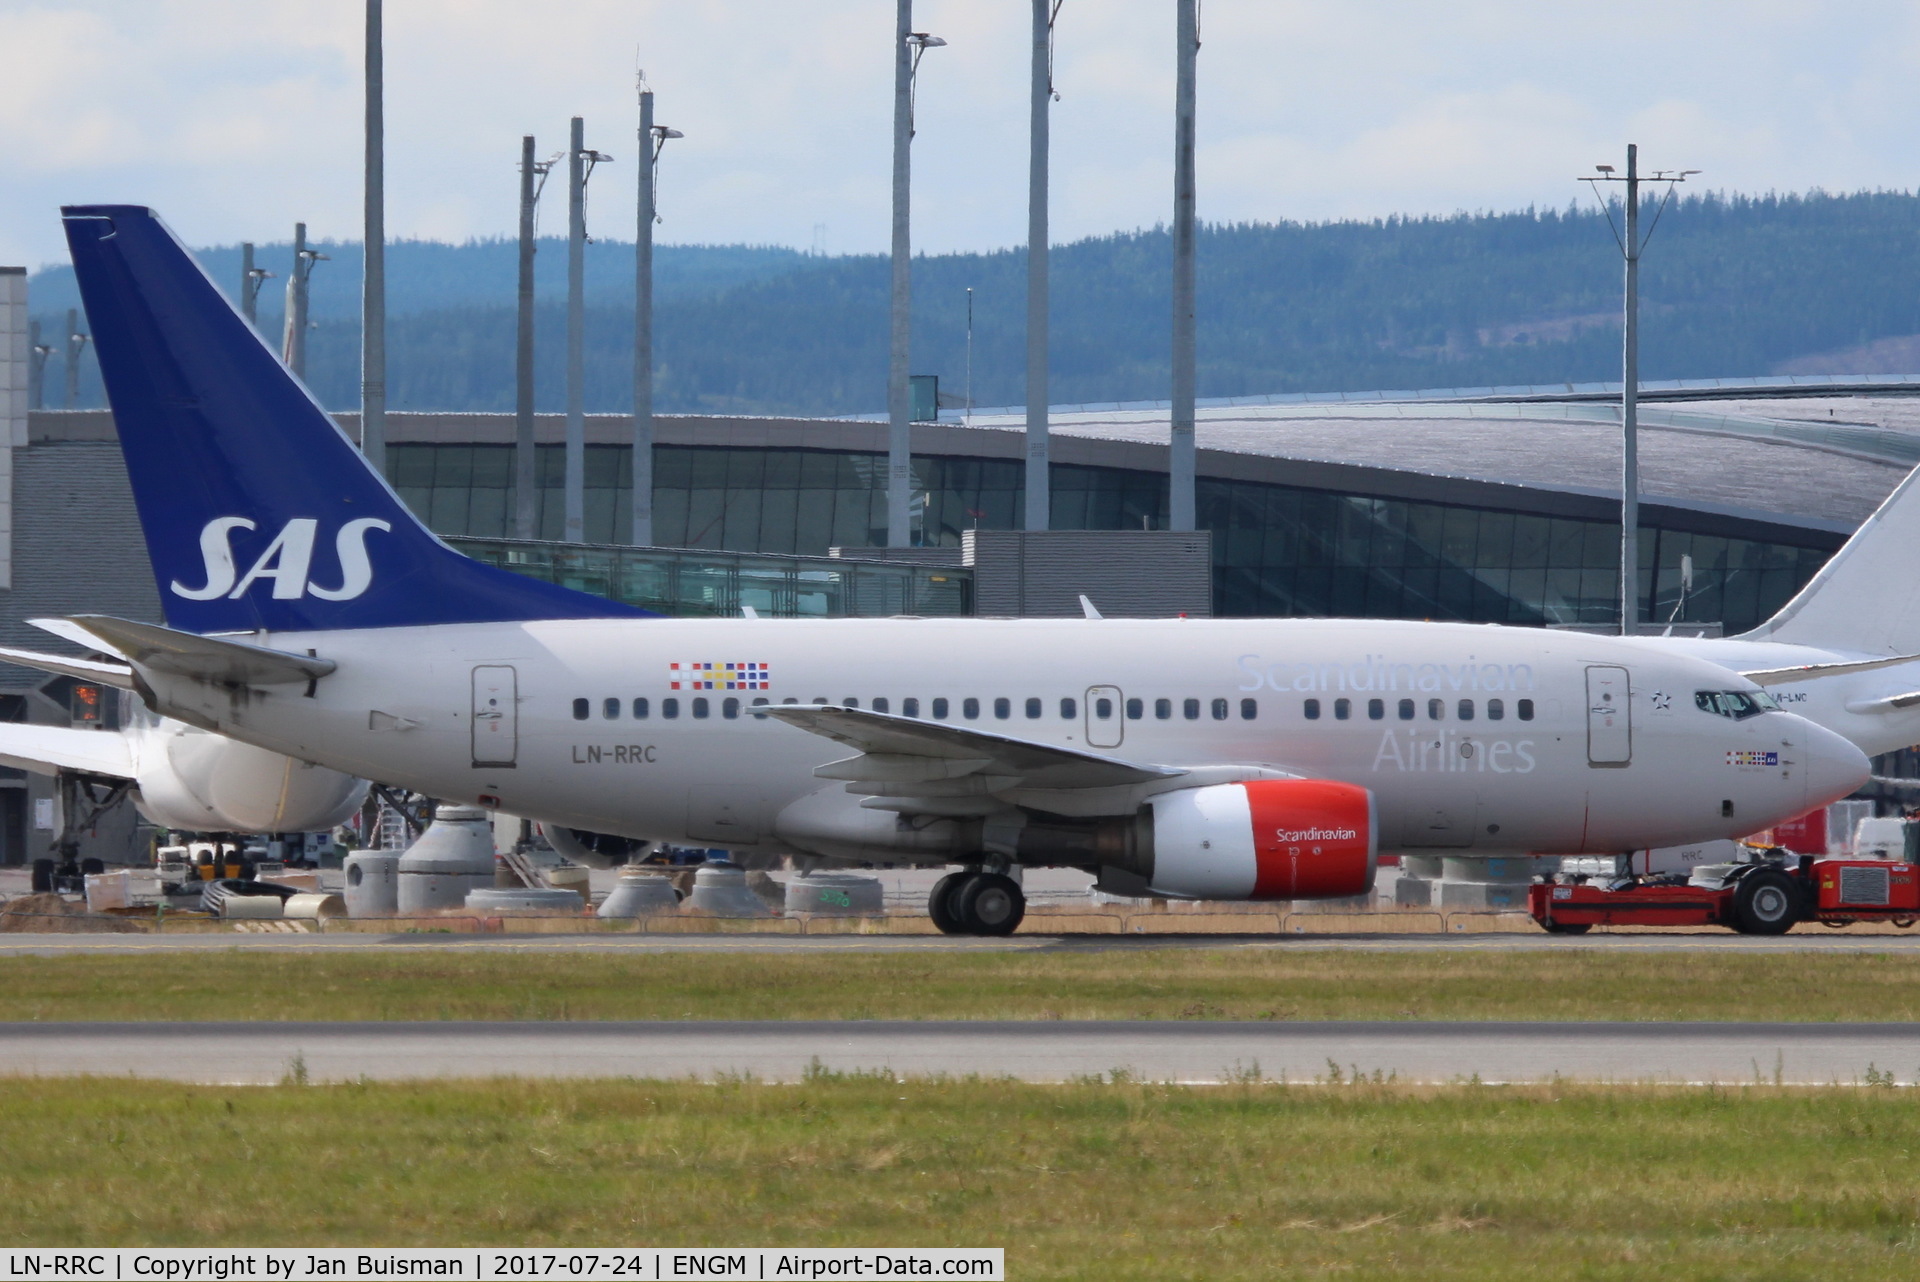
1112 1180
1239 983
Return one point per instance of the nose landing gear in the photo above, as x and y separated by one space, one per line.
977 903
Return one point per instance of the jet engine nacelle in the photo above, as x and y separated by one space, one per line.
1264 839
187 778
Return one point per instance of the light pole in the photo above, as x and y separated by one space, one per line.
525 471
76 345
1180 459
1631 245
1039 514
294 349
969 356
652 138
251 279
580 163
909 46
373 276
38 354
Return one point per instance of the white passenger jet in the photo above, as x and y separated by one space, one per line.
309 613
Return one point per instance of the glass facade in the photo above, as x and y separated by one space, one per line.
1278 550
720 584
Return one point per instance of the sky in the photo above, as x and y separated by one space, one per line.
236 118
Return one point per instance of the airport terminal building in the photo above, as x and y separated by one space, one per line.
1480 507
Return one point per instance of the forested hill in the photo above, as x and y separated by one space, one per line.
1732 286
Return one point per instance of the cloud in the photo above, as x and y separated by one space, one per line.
239 117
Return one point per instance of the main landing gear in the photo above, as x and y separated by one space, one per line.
977 903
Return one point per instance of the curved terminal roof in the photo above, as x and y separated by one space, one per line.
1823 463
1764 459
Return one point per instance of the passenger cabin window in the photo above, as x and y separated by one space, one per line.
1524 708
1163 709
610 709
909 707
1376 709
670 708
849 703
1069 709
1436 709
939 709
1033 709
881 704
1002 709
1103 709
730 709
640 709
820 698
1342 709
970 709
1496 710
1466 710
1736 705
581 709
1219 709
1406 709
700 709
1313 709
1136 709
1249 709
1190 709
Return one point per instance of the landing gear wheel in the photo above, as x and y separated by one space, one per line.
990 904
1566 927
1766 902
940 903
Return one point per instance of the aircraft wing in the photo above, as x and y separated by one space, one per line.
931 767
49 749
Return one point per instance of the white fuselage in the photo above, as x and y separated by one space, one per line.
1478 739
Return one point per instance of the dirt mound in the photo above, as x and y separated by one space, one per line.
52 915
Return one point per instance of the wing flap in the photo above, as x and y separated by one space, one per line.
890 747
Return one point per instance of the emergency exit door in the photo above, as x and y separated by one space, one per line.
1609 717
496 715
1106 723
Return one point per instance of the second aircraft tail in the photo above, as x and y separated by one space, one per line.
1867 597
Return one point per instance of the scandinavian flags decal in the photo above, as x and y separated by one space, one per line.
717 676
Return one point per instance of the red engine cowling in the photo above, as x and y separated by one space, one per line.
1268 839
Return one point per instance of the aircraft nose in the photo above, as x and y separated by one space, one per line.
1835 767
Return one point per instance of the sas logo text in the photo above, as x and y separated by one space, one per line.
287 562
1750 757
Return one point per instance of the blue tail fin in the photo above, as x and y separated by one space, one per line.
259 512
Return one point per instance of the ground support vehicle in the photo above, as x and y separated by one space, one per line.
1766 897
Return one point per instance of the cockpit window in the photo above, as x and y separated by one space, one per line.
1737 705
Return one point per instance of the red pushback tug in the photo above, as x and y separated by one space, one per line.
1766 897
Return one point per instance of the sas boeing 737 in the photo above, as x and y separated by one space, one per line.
308 612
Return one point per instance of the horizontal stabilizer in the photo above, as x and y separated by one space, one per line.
1892 703
886 739
210 659
111 674
1814 671
49 749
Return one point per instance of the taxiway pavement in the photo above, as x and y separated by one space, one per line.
1052 1051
